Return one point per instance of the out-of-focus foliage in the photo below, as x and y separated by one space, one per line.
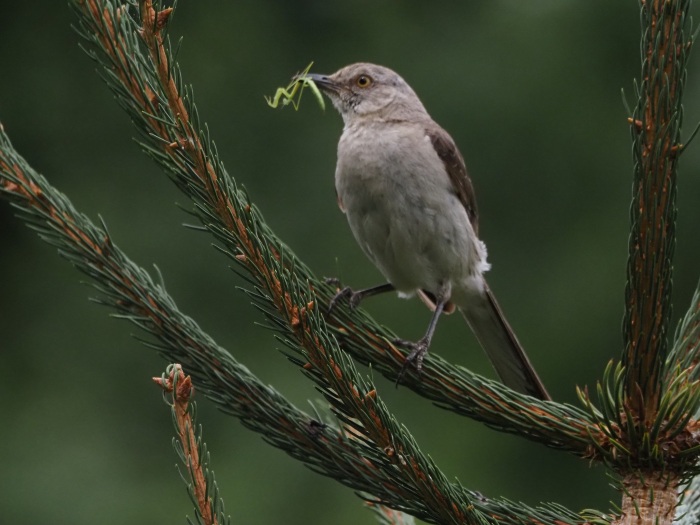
531 93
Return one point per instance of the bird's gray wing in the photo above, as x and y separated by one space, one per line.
456 171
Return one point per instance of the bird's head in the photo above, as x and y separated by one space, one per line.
362 90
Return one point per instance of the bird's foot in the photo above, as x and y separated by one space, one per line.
415 357
352 297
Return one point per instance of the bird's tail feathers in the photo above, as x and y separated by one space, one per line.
502 347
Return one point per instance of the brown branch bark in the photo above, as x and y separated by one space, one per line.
648 499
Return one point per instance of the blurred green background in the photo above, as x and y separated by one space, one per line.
531 93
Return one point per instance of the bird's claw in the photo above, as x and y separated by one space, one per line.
352 297
344 293
415 357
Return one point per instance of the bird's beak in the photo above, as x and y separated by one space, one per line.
324 82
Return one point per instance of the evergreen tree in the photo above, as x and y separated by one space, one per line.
640 423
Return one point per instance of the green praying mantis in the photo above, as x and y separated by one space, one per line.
292 93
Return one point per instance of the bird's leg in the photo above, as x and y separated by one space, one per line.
354 298
420 347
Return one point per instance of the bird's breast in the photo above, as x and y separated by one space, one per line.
401 207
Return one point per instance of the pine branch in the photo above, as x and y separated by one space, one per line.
683 363
688 510
201 485
371 452
148 85
683 356
655 127
653 396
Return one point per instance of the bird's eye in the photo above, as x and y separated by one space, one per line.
363 81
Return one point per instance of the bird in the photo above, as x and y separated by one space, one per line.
403 185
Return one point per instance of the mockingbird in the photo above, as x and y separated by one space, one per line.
404 188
